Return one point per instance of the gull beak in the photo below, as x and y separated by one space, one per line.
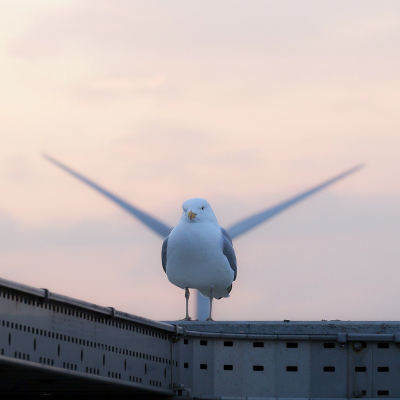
191 215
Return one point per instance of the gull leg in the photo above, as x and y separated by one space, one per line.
187 295
211 299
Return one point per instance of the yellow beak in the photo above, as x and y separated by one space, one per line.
191 215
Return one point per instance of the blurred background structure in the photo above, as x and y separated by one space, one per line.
245 105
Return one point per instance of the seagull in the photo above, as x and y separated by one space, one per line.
163 230
198 254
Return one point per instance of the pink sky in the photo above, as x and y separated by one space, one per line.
244 104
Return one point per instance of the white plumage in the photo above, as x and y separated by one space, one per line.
198 253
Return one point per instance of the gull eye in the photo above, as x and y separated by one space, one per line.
202 208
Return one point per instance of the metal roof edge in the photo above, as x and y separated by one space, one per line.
105 311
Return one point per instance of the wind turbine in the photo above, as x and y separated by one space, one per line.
235 230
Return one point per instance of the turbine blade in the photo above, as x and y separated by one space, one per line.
155 225
251 222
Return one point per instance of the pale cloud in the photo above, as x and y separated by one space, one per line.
18 168
112 88
118 84
369 27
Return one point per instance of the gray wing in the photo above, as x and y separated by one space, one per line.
251 222
164 254
229 252
154 224
226 234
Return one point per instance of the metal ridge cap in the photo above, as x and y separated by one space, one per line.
111 312
46 294
349 336
23 288
253 336
324 323
106 311
146 321
79 303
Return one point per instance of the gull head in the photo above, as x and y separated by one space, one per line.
198 210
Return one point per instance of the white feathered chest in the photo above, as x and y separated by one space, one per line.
195 258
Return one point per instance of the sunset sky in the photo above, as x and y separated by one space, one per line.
242 103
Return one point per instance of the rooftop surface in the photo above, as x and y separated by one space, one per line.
292 327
